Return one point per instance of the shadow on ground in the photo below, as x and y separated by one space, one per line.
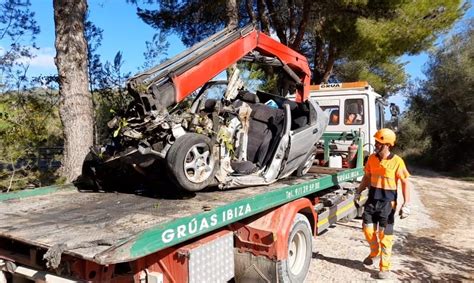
425 252
350 263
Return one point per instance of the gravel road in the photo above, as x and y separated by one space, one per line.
435 243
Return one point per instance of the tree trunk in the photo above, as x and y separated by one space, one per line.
76 102
262 16
232 14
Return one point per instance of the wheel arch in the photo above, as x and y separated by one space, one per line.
276 222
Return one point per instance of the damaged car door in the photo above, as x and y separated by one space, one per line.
308 121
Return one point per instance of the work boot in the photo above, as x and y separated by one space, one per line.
368 261
384 274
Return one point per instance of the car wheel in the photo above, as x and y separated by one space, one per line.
306 165
296 266
190 162
90 177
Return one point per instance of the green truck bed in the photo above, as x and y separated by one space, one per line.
109 228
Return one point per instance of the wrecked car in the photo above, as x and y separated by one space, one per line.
216 132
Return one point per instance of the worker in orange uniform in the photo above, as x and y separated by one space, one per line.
383 171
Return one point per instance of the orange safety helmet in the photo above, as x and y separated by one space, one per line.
385 136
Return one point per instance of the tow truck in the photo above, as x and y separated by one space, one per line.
251 234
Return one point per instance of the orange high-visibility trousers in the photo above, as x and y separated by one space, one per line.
378 221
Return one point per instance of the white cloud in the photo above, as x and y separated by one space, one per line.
43 58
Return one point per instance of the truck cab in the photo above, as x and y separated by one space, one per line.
352 106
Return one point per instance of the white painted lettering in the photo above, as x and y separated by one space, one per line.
192 226
181 231
248 209
204 224
213 220
167 236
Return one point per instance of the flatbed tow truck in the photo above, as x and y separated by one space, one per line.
257 234
250 234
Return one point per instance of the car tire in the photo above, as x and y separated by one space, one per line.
90 177
190 162
295 267
306 165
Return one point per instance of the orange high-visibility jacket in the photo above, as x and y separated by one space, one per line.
384 174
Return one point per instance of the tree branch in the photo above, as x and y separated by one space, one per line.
249 8
265 22
296 44
277 23
232 14
13 175
330 62
317 60
291 20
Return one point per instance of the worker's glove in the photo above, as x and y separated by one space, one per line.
404 211
357 199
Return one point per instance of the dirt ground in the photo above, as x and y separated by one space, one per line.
436 243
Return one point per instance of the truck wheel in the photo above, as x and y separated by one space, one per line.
296 266
190 162
304 167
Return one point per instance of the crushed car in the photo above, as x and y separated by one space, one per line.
207 132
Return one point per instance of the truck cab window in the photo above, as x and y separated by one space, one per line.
379 115
333 113
354 112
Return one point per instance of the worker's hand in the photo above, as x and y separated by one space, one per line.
357 199
404 211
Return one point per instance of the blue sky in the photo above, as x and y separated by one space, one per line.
124 31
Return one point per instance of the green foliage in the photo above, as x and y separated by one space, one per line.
257 78
18 30
111 98
155 49
443 106
411 142
414 26
29 122
192 20
95 69
373 34
332 33
108 102
387 77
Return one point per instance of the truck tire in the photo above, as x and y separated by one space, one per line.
190 163
296 266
